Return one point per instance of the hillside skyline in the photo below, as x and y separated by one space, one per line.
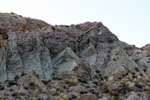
129 20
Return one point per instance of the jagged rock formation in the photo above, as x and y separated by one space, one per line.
35 49
87 57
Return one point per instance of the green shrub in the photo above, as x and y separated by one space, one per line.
32 84
136 69
83 91
72 82
53 92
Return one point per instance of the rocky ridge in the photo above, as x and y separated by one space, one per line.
77 62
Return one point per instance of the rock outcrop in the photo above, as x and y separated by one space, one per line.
84 61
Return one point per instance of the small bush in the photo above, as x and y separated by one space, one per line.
1 87
32 84
136 69
147 88
83 91
72 82
86 85
138 85
53 92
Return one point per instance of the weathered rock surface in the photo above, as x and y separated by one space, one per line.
30 79
3 74
114 87
65 61
14 62
104 98
89 97
73 62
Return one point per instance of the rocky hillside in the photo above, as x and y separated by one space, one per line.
86 61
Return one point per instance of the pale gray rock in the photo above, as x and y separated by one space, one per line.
65 61
119 58
144 61
133 96
3 75
138 96
104 98
90 55
14 63
39 61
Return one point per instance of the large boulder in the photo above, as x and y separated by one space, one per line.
83 71
30 80
114 87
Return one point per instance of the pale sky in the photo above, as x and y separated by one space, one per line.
128 19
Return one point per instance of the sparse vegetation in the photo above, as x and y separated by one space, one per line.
72 82
53 92
110 68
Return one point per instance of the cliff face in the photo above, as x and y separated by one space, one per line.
88 52
33 45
